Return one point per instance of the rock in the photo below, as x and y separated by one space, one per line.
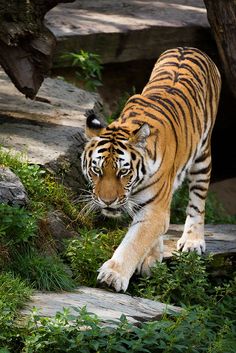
49 128
220 239
127 30
225 191
107 305
56 226
12 191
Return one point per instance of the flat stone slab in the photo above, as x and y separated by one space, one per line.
220 239
128 30
106 305
48 129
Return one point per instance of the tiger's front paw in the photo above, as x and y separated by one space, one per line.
114 275
192 243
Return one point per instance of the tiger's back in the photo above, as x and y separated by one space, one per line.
161 137
180 102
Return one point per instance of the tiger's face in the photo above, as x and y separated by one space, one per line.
114 166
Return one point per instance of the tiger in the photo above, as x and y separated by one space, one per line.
135 163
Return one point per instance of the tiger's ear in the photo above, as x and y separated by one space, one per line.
94 125
139 137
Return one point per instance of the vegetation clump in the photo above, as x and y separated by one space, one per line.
88 68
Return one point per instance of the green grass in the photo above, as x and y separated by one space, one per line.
13 292
43 272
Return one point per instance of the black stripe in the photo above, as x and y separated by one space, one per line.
102 150
134 224
101 143
201 158
180 94
162 101
202 171
198 187
199 195
151 199
121 144
146 187
195 208
119 151
198 63
193 73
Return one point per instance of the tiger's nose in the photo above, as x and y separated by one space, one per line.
108 202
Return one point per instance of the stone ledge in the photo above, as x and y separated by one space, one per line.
107 305
48 129
127 30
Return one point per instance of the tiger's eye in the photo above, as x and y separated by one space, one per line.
97 170
123 171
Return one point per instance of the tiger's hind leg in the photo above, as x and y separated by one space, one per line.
155 254
199 178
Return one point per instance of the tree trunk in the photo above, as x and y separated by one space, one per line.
26 44
222 18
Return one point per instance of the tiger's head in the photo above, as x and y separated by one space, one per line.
114 164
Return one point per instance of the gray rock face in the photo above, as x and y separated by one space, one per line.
56 224
50 128
107 305
12 191
127 30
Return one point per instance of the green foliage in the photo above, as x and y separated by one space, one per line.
88 253
43 272
194 330
13 292
43 189
89 68
17 225
19 231
185 280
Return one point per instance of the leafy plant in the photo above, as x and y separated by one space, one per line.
185 280
17 225
89 68
88 253
194 330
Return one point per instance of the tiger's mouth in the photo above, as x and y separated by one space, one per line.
112 212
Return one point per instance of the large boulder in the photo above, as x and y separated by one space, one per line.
121 31
48 129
